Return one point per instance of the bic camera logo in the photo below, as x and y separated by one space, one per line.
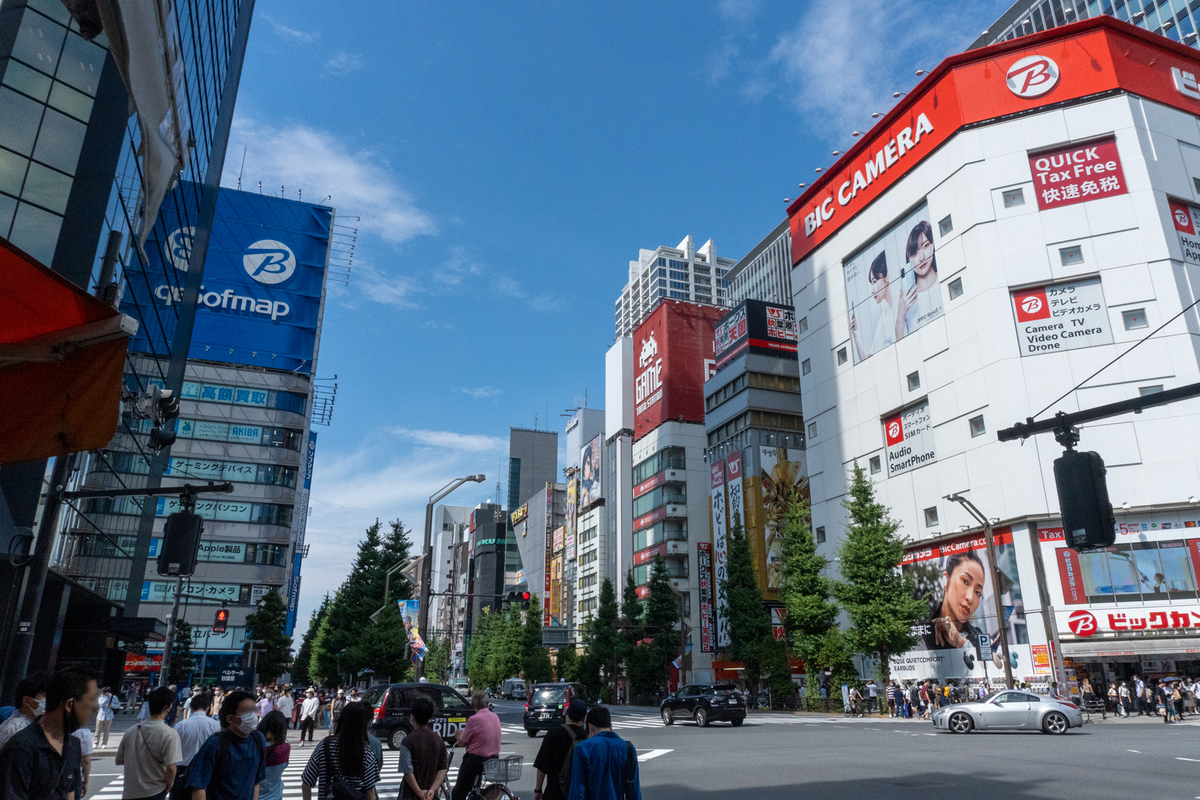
1032 304
267 261
1082 623
1032 76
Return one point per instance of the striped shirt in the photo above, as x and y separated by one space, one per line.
316 775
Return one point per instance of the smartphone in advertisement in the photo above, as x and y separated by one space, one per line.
908 280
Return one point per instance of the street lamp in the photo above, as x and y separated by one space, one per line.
991 549
427 554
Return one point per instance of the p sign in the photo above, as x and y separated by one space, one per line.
1032 76
985 647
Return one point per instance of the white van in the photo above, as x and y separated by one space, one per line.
513 689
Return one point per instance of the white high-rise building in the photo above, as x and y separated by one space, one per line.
678 273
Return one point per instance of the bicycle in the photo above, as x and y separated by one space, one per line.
497 772
1096 706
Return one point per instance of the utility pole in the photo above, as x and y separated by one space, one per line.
991 550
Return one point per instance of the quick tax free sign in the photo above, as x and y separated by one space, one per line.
1077 174
1062 316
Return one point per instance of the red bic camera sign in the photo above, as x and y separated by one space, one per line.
1077 174
1062 316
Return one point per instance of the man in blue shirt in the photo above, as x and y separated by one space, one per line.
231 763
604 763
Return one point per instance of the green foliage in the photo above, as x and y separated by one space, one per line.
605 646
479 653
347 622
805 590
507 657
182 660
535 657
777 664
274 652
300 674
660 612
838 658
437 660
879 599
567 668
749 621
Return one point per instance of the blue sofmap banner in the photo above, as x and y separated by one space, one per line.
263 277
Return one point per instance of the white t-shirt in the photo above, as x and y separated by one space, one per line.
885 328
12 726
285 705
927 307
85 740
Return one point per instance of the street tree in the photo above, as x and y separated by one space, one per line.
182 660
437 660
603 637
535 657
266 624
479 651
567 668
878 598
749 621
660 615
300 674
806 592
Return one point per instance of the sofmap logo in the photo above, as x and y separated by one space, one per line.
269 262
178 247
1082 623
1032 76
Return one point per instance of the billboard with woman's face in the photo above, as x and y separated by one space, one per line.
892 285
589 468
954 579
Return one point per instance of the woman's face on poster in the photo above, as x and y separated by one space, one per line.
964 590
879 285
922 259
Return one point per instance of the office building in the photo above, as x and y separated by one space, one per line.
589 545
450 578
765 273
539 527
1176 21
676 273
1031 213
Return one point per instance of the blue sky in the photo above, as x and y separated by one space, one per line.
506 162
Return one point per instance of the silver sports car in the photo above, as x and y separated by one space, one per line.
1010 710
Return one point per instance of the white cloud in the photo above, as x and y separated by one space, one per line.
343 63
450 440
291 33
739 10
358 181
380 286
482 391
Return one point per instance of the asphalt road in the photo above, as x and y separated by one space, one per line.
789 756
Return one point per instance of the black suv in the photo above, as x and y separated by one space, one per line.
704 703
393 710
547 706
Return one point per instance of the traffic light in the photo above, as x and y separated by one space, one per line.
1087 514
222 620
180 544
525 600
509 599
164 410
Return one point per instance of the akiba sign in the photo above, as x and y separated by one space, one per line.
673 357
260 298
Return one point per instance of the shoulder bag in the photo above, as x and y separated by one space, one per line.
339 787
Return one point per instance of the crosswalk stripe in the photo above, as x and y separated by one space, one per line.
652 754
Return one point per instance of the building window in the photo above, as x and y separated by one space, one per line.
914 381
842 356
931 517
803 324
821 534
946 225
806 366
1196 183
1013 197
1145 390
956 288
876 465
1070 256
812 430
1135 318
977 426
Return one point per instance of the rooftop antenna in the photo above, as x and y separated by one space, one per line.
300 195
260 187
243 168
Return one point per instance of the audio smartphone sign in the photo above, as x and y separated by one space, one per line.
1061 316
909 437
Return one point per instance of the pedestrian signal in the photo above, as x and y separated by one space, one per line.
222 620
525 600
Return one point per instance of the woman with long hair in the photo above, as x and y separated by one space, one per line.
274 727
887 322
344 754
950 616
921 301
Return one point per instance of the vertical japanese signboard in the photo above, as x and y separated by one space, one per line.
704 559
549 553
572 515
720 547
1186 218
1061 316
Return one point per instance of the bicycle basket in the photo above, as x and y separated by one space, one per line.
503 770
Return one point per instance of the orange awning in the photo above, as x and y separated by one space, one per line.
62 356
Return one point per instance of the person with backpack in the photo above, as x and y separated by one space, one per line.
423 759
342 766
232 763
604 765
554 760
151 751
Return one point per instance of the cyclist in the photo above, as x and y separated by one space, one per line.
481 739
855 701
422 756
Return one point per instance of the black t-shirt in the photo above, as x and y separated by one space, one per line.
31 769
550 757
428 753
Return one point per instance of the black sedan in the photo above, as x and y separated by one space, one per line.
704 703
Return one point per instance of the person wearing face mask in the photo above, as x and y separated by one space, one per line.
266 703
232 763
43 761
151 751
31 704
109 703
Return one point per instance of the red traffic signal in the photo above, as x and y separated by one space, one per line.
221 621
525 599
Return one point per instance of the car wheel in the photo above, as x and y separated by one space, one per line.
1055 723
532 732
396 737
668 717
702 717
960 723
736 722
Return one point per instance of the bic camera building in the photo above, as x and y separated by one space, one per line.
1021 219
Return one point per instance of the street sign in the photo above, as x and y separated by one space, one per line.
985 647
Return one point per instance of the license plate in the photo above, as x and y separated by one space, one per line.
543 716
